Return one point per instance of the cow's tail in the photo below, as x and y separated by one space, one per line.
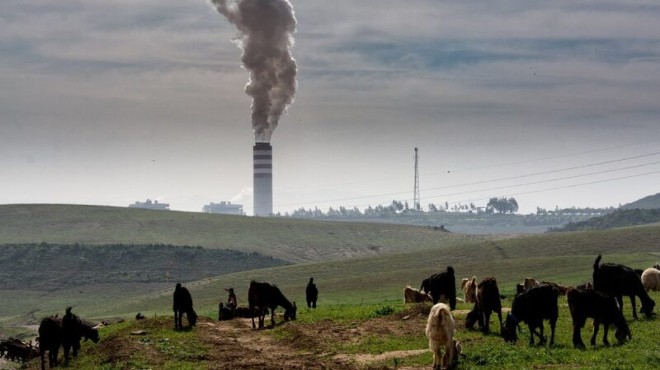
597 262
450 270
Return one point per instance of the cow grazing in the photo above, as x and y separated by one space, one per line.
412 295
532 307
443 283
183 303
50 340
73 330
469 287
651 279
263 296
618 280
488 301
440 328
600 307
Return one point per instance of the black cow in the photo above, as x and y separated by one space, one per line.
183 303
50 339
439 284
73 330
263 296
618 280
603 309
532 307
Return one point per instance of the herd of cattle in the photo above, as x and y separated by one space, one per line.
54 332
601 300
534 302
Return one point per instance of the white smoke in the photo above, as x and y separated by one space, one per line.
266 36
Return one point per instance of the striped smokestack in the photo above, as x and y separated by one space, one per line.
263 179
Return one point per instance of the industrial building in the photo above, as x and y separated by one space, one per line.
149 204
225 208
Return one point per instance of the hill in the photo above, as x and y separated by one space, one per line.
618 218
52 267
650 202
292 240
562 257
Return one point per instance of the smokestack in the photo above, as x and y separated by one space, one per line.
263 179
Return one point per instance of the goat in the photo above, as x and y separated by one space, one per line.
563 289
619 280
530 283
311 293
469 287
73 330
16 350
532 307
262 296
182 302
440 333
603 309
651 279
412 295
443 283
488 301
50 339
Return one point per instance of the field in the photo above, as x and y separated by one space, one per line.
368 336
360 323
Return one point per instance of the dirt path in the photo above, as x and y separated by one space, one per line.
237 346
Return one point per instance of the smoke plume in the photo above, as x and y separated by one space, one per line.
266 28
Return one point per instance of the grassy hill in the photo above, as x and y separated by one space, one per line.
291 240
650 202
52 266
618 218
562 257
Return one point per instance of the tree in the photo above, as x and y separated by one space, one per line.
502 205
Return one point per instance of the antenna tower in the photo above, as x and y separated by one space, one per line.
416 201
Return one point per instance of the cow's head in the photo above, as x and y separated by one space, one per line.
290 314
510 329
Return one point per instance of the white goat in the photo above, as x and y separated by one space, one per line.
651 279
440 332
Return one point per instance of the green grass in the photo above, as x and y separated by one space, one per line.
160 348
164 348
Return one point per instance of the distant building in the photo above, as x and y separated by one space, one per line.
225 208
150 205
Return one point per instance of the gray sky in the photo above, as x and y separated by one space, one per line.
555 103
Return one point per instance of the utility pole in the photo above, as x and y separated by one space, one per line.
416 201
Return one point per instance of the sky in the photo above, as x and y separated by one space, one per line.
554 103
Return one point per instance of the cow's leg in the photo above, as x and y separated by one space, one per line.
634 306
606 328
593 337
577 337
553 324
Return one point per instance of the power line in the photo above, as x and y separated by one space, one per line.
501 179
497 165
547 180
